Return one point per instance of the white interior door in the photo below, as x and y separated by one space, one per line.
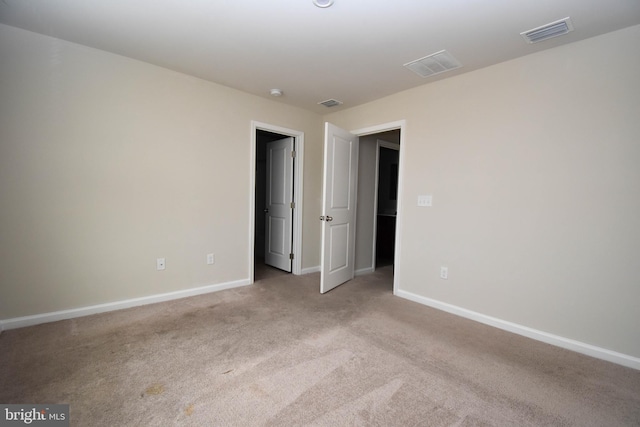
338 207
278 206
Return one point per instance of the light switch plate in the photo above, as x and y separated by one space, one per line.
425 200
444 272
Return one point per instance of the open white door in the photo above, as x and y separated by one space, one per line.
338 207
278 206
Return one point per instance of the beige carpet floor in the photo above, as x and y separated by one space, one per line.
280 354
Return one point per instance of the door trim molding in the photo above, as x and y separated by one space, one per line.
298 175
399 124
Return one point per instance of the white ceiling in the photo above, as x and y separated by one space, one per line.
352 51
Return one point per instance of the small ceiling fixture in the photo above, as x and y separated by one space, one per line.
323 3
275 92
554 29
433 64
330 103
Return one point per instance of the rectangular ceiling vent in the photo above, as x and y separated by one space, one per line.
330 103
433 64
554 29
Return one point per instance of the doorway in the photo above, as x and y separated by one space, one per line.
282 230
366 213
378 181
386 206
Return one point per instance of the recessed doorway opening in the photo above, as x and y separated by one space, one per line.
343 255
378 237
275 236
378 175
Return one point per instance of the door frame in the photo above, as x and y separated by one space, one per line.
401 125
298 174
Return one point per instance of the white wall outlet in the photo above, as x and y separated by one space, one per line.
425 200
160 264
444 272
211 259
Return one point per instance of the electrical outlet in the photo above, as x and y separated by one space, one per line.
160 264
211 259
425 200
444 272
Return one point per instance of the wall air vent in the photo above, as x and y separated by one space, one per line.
330 103
554 29
433 64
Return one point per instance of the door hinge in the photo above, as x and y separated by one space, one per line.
293 205
293 154
290 256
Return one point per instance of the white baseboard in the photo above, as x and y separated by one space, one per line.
310 270
558 341
364 271
21 322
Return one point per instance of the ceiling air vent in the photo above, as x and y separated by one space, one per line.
554 29
433 64
330 103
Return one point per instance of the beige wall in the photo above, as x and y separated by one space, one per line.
107 163
534 169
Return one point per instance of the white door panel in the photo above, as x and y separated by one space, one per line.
339 242
339 207
279 213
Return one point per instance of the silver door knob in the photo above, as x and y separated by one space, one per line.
266 211
321 218
329 218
